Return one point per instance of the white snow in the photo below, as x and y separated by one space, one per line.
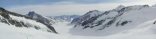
11 32
142 27
28 21
146 30
119 7
94 13
135 16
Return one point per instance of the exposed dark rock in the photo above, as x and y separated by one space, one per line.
154 22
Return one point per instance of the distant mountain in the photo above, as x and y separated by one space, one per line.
67 18
112 21
88 15
32 20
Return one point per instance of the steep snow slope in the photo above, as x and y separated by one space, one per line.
114 21
19 20
86 16
39 17
31 22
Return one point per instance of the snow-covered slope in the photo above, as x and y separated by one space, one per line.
86 16
19 20
12 32
116 20
145 30
120 23
41 18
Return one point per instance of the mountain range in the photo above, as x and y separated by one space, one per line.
122 22
112 21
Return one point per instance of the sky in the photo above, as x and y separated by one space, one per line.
66 7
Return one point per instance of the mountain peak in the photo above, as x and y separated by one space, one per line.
31 13
119 7
2 9
93 11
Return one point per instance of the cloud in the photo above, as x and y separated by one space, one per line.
92 1
61 9
149 2
8 3
69 8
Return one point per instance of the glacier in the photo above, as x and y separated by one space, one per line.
123 22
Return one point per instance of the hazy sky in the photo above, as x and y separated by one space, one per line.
66 7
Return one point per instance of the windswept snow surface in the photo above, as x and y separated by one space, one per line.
12 32
146 30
